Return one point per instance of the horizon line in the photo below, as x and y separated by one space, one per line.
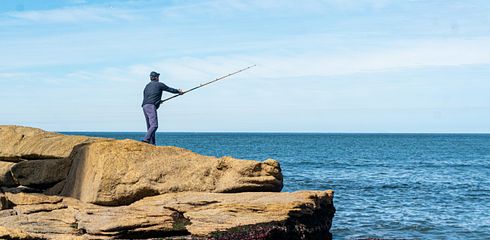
280 132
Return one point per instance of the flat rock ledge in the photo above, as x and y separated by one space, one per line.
54 186
189 215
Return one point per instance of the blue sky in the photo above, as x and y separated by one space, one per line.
322 65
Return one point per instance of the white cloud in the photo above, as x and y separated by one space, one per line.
74 14
412 54
392 57
12 75
271 6
376 4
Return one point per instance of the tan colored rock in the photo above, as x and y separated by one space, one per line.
8 233
196 215
17 143
48 224
130 221
213 212
7 212
6 178
112 172
47 217
121 172
46 207
45 172
199 197
32 198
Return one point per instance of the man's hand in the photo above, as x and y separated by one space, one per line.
181 92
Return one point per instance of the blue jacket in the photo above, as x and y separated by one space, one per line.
153 93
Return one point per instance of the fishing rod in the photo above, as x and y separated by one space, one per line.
204 84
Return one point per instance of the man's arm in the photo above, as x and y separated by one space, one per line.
169 89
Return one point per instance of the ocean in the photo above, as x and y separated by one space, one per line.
390 186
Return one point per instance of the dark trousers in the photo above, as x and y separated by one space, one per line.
151 117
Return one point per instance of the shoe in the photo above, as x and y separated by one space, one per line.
145 141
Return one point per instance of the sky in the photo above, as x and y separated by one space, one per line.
367 66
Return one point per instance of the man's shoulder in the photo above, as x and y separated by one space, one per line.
156 85
153 83
162 85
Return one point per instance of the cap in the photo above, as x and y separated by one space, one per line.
154 74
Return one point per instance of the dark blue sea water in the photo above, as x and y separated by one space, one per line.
396 186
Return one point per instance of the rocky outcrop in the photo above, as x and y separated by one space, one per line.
67 187
121 172
24 143
196 215
117 172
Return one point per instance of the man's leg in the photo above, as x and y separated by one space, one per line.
152 121
147 124
153 135
153 138
145 139
147 120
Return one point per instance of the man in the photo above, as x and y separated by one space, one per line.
152 96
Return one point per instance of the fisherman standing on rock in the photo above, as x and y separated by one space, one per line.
152 100
152 96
